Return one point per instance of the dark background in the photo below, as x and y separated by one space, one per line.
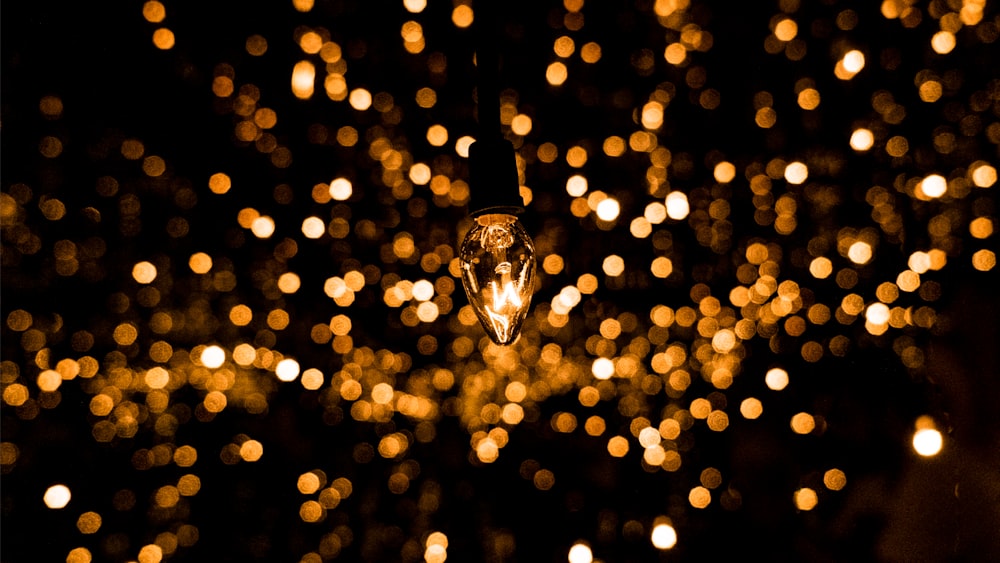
114 84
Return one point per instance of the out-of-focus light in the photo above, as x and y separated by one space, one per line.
303 80
776 379
556 73
724 172
805 499
983 175
677 205
360 99
862 139
877 313
663 536
796 173
57 496
287 370
341 189
927 442
213 357
603 368
608 209
144 272
262 227
462 145
580 553
462 16
860 252
313 227
850 65
498 272
943 42
933 186
854 61
576 185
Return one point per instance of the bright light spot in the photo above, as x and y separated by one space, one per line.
652 115
983 175
437 135
462 16
414 6
521 124
751 408
603 368
341 189
934 186
943 42
927 442
608 209
200 263
144 272
664 536
213 357
287 369
580 553
860 252
854 61
420 174
776 379
251 450
313 227
462 145
360 99
677 205
262 227
862 139
556 74
724 172
796 173
803 423
786 30
57 496
805 499
303 80
576 186
821 267
877 314
613 265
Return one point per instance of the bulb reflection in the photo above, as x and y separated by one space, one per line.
498 273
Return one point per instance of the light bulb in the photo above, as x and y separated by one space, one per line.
498 273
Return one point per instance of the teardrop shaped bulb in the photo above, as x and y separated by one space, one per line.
498 273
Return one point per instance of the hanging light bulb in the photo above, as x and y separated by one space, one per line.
498 273
497 256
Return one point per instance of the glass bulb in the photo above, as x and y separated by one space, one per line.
498 273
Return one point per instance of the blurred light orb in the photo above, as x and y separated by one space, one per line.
934 186
608 209
580 553
213 357
677 205
860 252
664 536
341 189
927 442
603 368
287 370
862 139
854 61
776 379
796 173
57 496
